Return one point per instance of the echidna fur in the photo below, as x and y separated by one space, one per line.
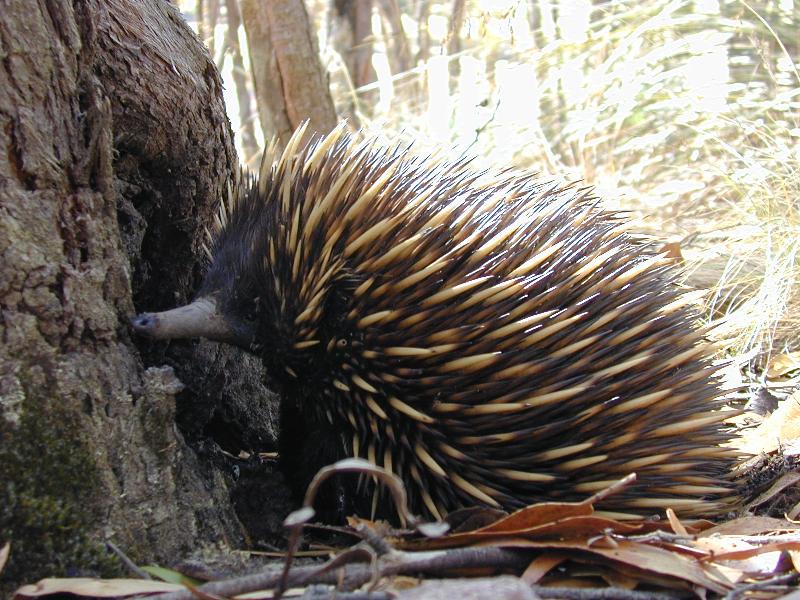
492 338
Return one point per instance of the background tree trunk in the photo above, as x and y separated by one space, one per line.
290 83
247 130
351 32
116 150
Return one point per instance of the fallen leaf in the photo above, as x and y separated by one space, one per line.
643 558
577 528
782 364
754 551
170 575
794 555
541 566
784 481
760 563
675 523
751 526
672 250
4 552
778 429
99 588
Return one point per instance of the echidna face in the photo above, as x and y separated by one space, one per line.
255 283
232 283
491 340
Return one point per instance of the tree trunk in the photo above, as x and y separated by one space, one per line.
290 83
351 36
454 45
239 74
396 38
116 151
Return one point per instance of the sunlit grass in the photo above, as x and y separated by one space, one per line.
687 117
751 261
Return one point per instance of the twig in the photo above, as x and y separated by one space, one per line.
129 564
760 585
294 523
660 537
610 593
767 539
325 593
373 539
396 563
356 555
611 490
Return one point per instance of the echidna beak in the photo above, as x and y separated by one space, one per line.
198 319
145 324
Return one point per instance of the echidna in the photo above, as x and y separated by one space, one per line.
493 339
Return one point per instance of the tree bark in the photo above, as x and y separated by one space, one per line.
454 38
290 82
357 14
351 36
397 40
116 151
246 129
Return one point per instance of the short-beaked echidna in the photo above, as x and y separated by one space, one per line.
493 339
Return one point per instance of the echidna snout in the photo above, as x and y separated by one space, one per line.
201 318
493 339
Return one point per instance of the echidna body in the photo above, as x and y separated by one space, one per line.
493 340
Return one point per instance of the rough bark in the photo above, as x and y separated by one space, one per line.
289 80
116 150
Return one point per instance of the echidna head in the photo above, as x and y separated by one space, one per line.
204 317
228 306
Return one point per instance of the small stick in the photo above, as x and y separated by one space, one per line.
129 564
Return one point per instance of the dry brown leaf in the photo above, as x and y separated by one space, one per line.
675 523
751 526
664 562
578 528
672 250
404 582
541 566
794 556
754 551
778 429
620 580
538 514
759 564
98 588
793 513
783 482
782 364
644 558
4 552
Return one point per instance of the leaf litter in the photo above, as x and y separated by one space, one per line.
555 549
